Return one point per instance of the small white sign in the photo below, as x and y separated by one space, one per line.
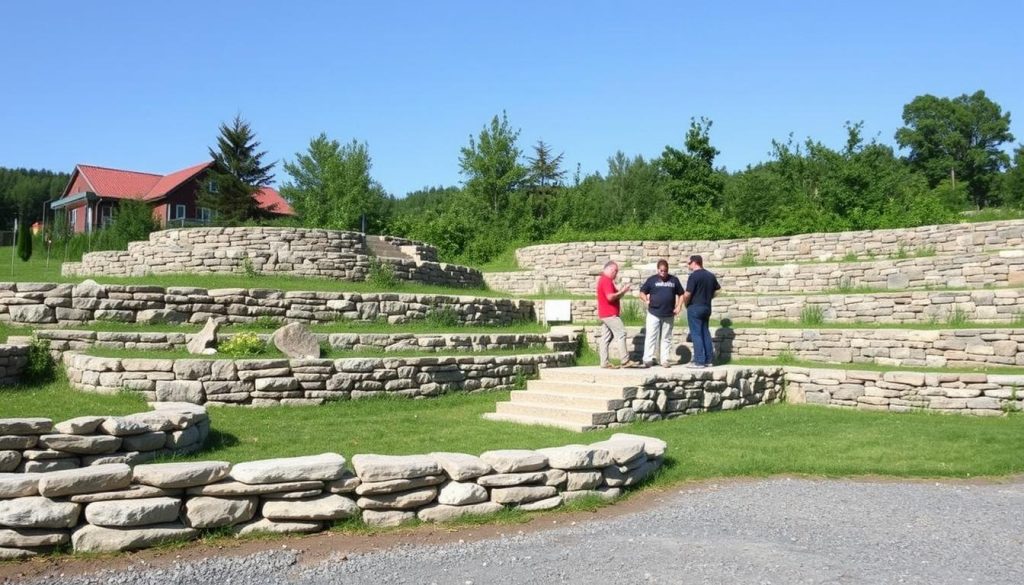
558 311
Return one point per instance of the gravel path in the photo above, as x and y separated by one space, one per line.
772 531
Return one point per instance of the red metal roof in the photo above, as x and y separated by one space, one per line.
121 184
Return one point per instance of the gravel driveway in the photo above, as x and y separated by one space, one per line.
772 531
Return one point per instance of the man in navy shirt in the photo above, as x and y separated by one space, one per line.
663 295
701 287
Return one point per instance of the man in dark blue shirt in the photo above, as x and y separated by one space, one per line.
701 287
663 295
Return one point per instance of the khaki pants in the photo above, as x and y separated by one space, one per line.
612 327
658 328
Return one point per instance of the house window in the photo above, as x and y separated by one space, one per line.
205 214
211 186
179 212
74 220
106 215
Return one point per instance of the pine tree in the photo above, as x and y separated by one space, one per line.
236 176
24 240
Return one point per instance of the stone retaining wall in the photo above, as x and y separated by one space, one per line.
68 304
62 340
267 382
975 394
968 270
981 306
937 348
115 507
296 251
968 238
38 445
12 361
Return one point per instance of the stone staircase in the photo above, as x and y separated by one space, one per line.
576 399
381 248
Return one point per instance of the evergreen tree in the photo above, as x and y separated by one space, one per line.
24 240
236 175
544 178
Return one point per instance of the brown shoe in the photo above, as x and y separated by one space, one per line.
629 364
609 366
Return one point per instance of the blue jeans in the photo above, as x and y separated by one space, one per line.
698 317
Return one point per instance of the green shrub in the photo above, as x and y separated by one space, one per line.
749 258
925 252
443 318
248 269
957 317
39 367
381 275
786 356
24 241
850 257
812 315
133 221
633 312
243 345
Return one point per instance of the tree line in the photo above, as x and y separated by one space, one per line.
955 159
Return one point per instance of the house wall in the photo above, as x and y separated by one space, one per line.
80 185
185 195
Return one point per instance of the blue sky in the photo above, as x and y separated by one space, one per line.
143 85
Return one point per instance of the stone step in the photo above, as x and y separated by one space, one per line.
586 389
575 401
533 420
593 375
380 248
572 415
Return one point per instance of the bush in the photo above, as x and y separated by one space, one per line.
39 367
133 221
243 345
443 318
381 275
24 241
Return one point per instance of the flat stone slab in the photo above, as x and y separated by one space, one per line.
132 492
124 513
444 513
127 425
90 538
81 444
323 467
399 501
267 526
387 518
38 512
15 554
25 426
181 475
19 485
398 485
622 450
212 512
545 504
374 468
18 441
512 479
325 507
82 425
522 494
461 467
237 488
456 493
655 448
583 480
96 478
576 457
32 537
514 460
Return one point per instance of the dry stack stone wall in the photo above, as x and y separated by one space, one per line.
267 382
74 304
115 507
302 252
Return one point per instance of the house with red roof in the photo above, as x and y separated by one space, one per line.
94 192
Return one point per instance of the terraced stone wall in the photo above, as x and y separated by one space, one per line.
267 382
961 348
910 307
12 361
37 445
966 238
115 507
62 340
967 270
975 394
295 251
67 304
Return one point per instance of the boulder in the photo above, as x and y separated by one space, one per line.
32 537
576 457
206 338
446 513
296 341
97 478
399 501
456 493
236 488
398 485
322 467
460 466
90 538
375 468
123 513
267 526
514 460
211 512
89 288
38 512
81 444
325 507
181 475
387 518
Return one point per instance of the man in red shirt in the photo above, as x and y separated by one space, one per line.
608 311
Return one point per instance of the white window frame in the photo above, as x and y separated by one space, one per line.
179 211
211 186
74 219
205 214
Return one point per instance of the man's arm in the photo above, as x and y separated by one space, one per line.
614 296
686 298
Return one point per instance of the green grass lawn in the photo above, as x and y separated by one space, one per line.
424 326
325 353
872 367
762 441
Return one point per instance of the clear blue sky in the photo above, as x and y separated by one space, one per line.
143 85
